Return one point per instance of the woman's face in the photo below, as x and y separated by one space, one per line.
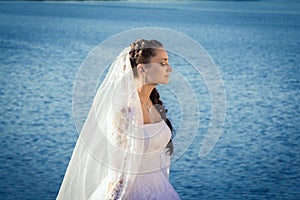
158 70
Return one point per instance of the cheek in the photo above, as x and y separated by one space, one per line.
155 73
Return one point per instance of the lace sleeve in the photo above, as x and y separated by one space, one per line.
120 140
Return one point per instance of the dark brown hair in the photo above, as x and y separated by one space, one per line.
141 52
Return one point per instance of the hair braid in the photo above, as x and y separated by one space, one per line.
155 98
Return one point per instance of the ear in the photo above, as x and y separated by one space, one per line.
140 68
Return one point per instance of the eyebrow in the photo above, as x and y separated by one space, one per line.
164 59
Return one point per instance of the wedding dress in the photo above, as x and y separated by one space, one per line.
153 185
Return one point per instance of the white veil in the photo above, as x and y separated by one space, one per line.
111 141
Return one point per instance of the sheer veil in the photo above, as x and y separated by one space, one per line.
111 141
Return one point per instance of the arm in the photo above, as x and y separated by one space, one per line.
121 141
165 163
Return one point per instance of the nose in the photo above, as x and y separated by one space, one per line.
169 68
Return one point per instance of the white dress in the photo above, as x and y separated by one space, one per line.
155 184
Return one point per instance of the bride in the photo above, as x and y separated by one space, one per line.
124 148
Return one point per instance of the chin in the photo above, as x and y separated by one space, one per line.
167 81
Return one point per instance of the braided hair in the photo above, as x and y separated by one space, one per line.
141 52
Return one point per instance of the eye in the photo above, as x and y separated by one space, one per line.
163 64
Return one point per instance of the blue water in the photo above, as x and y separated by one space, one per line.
256 46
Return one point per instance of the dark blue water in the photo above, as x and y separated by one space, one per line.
256 46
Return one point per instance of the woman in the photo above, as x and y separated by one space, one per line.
124 146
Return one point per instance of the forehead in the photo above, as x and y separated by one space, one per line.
161 55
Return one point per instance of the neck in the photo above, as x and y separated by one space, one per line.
145 91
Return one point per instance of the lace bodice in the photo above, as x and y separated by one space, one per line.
157 136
